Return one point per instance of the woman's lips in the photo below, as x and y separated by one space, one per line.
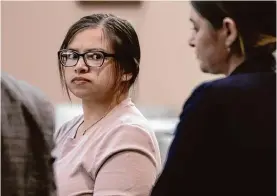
80 80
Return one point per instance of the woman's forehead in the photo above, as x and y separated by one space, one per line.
88 39
195 17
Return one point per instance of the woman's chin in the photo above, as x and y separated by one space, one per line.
204 68
81 94
209 69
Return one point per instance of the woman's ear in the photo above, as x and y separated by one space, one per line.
126 77
231 30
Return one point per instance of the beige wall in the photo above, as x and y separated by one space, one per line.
33 31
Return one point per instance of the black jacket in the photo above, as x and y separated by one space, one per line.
225 141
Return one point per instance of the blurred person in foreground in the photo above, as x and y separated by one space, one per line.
225 141
27 127
110 149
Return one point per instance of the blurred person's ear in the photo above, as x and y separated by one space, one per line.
230 30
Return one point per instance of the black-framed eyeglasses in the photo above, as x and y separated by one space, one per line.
70 58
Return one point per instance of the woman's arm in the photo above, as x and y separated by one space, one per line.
126 173
127 163
190 152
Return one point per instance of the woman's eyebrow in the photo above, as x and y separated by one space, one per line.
95 49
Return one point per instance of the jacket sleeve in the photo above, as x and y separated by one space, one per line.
187 156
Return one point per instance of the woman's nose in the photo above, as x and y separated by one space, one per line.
81 66
191 42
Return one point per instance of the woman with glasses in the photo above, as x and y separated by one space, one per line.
109 150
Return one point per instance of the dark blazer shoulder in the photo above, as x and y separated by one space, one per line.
199 94
239 83
202 95
245 80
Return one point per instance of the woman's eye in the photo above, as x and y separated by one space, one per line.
72 56
94 56
69 56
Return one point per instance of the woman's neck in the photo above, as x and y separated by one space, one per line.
233 63
95 109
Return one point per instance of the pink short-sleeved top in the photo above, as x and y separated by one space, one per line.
124 134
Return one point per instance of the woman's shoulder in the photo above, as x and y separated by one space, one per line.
132 134
128 126
131 130
130 117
